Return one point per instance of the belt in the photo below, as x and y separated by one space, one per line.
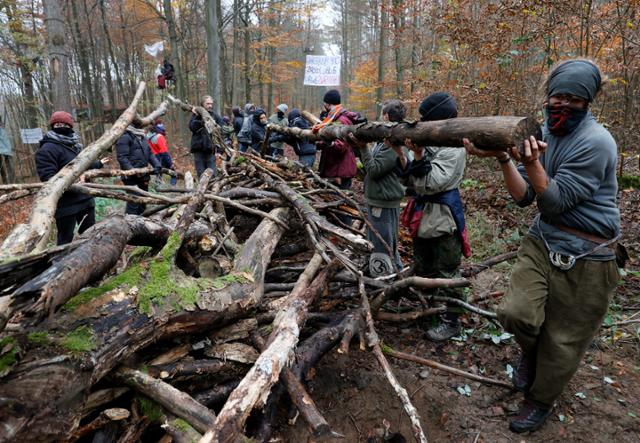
578 233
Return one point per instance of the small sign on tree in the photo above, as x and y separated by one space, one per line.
322 70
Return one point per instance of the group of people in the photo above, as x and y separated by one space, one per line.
566 270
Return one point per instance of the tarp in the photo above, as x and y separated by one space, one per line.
5 143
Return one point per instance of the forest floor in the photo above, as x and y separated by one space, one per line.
601 404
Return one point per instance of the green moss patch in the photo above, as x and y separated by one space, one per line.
39 338
131 277
183 425
150 409
9 351
80 339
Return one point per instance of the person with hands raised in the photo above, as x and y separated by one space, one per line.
383 193
435 214
566 271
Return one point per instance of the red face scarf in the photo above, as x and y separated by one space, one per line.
563 119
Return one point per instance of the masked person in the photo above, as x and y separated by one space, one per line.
305 150
566 271
58 147
435 215
258 129
134 152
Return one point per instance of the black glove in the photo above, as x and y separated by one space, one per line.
420 168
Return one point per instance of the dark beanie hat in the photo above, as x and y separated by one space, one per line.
332 97
438 106
576 77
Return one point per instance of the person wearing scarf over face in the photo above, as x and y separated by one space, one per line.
134 152
57 148
435 215
566 270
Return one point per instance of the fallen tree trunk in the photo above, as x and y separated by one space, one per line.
44 392
488 133
175 401
34 235
256 385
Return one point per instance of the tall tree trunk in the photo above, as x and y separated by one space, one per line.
58 55
224 65
234 51
213 53
398 25
112 57
381 55
247 52
175 60
96 91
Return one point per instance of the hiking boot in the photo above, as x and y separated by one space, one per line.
444 331
529 418
525 373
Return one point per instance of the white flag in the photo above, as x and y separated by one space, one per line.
155 48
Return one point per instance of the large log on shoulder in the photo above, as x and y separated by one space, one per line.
43 394
488 133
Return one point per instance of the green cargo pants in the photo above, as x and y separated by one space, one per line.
439 257
555 314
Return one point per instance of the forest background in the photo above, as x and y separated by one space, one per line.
492 55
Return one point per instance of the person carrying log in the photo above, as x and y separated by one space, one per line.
305 150
202 147
244 135
435 215
133 152
337 161
566 270
278 118
59 146
383 193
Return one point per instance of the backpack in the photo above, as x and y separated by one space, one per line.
244 136
355 117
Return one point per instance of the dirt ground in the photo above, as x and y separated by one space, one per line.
601 403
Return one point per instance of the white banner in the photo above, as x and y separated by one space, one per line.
31 136
322 70
155 48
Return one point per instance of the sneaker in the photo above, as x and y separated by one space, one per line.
524 373
444 331
529 418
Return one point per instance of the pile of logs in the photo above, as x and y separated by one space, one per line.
186 323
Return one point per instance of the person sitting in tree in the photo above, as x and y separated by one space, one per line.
566 270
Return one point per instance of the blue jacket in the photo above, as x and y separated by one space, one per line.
301 147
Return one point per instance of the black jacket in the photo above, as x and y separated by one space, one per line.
258 131
237 123
300 146
134 152
52 156
200 140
